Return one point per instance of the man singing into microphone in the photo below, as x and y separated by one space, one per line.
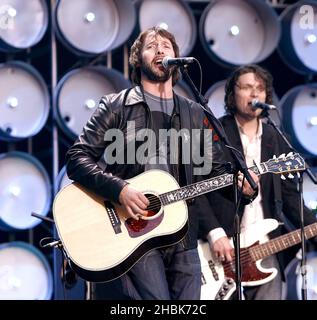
166 272
258 142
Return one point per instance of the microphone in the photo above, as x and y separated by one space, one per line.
168 61
260 105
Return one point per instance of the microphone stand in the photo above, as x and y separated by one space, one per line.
240 165
301 205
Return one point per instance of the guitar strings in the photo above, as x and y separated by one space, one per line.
155 202
245 258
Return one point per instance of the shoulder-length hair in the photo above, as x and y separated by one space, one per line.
264 75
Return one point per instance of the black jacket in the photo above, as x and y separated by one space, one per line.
280 197
86 160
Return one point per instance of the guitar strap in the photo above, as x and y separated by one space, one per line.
122 118
277 190
183 107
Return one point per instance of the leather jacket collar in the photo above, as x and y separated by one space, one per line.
134 96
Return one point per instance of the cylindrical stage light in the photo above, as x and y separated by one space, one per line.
216 98
310 192
90 27
24 101
22 23
24 188
74 286
183 89
293 286
78 94
300 111
62 180
293 277
25 273
298 45
236 32
174 16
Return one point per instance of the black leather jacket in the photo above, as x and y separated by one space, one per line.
86 162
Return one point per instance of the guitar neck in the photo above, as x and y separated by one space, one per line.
282 242
291 162
202 187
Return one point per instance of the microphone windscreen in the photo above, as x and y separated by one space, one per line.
254 103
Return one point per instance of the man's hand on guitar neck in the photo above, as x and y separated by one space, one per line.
134 202
222 249
247 190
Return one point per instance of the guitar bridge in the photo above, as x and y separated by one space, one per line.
113 217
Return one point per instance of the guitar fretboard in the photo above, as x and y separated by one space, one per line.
283 242
199 188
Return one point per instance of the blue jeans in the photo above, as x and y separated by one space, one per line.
170 273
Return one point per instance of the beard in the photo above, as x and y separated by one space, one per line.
152 75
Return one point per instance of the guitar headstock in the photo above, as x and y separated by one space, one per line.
286 163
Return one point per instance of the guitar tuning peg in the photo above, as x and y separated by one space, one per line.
283 177
290 176
282 156
290 154
274 156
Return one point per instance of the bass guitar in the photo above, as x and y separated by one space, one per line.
218 278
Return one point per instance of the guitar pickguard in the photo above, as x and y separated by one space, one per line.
137 228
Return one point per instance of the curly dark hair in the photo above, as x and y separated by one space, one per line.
264 75
135 58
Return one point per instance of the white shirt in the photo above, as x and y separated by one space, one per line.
253 212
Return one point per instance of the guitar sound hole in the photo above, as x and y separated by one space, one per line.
146 223
155 204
